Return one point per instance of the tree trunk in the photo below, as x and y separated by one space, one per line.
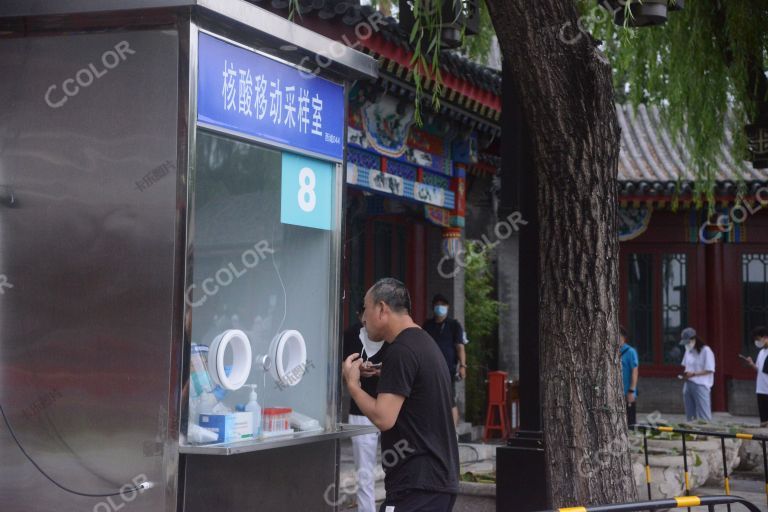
565 89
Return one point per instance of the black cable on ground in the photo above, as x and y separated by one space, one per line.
144 485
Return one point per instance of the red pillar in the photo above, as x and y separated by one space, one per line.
712 295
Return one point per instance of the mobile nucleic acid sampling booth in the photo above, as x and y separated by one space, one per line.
170 237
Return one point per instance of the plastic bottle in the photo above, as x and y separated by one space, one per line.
254 407
200 381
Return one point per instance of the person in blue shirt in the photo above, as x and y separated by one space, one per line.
629 372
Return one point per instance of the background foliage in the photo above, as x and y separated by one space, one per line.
481 317
705 67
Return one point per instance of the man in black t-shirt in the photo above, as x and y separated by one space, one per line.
364 447
449 336
419 450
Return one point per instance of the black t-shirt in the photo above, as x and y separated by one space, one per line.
421 450
447 334
353 345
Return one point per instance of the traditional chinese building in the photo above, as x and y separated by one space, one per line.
415 192
681 267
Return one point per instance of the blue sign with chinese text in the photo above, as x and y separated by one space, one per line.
246 92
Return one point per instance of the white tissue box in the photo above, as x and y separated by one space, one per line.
236 426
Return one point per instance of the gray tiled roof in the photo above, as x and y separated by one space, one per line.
650 160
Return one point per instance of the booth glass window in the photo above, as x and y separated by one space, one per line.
259 274
754 269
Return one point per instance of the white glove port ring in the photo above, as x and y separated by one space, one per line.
241 359
288 352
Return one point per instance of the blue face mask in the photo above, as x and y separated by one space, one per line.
441 310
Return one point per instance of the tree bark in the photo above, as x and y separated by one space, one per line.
566 93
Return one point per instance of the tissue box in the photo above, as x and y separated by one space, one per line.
230 427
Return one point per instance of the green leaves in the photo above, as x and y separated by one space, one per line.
481 310
478 46
700 69
425 39
427 16
481 316
293 8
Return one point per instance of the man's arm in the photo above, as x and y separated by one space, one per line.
462 354
750 362
382 411
632 395
635 371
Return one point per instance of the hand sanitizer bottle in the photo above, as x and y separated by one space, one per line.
254 407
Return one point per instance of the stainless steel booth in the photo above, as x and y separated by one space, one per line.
170 232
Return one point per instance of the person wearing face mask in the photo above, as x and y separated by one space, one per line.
364 446
699 376
419 449
449 336
760 336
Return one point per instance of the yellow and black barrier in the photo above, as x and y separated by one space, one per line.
680 502
722 435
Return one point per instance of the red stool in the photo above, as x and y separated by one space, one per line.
497 406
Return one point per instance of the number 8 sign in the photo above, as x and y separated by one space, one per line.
306 197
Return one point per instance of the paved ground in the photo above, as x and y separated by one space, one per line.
474 457
751 490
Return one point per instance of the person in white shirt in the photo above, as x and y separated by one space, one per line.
760 336
699 376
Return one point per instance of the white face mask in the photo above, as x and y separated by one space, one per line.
759 343
690 344
369 347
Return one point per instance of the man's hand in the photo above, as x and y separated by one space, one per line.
748 360
630 397
351 370
463 372
688 375
368 370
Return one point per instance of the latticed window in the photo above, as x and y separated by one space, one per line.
674 305
754 276
657 305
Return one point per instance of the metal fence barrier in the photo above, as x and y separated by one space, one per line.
681 502
683 432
